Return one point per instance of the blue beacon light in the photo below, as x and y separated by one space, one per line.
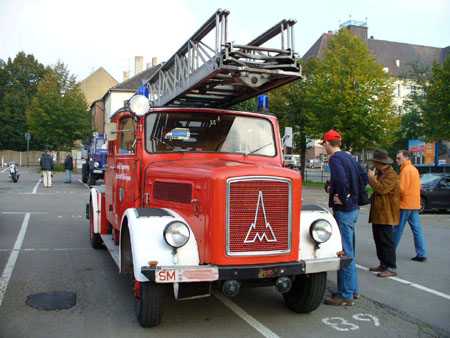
263 104
143 91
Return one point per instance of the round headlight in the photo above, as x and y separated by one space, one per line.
139 105
96 164
321 230
176 234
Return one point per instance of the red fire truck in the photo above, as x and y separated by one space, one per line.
196 197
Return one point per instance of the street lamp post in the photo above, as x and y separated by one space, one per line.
28 138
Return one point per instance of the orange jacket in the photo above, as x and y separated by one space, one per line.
409 186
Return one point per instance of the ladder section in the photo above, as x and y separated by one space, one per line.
210 72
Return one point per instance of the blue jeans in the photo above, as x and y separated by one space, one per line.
347 279
68 175
412 216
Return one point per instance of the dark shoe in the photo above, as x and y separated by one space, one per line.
387 273
419 259
356 295
378 269
339 301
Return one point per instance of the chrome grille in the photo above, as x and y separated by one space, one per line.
258 216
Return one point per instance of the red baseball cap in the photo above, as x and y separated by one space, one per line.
332 135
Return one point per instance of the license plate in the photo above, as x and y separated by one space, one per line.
186 275
96 171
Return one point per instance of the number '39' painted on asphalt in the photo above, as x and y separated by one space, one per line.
340 324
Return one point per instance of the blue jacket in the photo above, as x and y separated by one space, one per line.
345 173
46 162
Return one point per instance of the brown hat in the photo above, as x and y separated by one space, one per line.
381 155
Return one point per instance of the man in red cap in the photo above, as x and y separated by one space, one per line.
343 199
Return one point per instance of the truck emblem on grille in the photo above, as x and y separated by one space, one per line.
253 225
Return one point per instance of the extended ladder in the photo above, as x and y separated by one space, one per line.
199 75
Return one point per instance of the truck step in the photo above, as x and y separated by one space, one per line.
112 248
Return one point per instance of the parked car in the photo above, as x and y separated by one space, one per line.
435 192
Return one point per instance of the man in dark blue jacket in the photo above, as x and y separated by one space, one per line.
46 162
343 199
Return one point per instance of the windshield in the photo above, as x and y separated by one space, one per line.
206 132
100 144
429 179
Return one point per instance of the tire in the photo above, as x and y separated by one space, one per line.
96 240
91 180
307 292
149 305
84 173
423 204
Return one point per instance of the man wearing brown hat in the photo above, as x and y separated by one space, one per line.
384 211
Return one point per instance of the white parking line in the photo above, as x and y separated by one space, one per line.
84 184
9 268
414 285
265 331
4 170
36 186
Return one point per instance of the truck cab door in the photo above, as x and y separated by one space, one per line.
125 173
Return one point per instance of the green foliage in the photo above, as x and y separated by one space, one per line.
58 113
349 92
19 79
436 105
249 105
288 103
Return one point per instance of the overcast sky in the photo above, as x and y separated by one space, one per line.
88 34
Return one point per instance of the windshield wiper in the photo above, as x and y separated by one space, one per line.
258 149
166 144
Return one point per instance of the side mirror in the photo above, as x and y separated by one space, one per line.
111 131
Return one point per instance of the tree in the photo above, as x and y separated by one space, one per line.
289 105
58 113
19 79
436 105
350 92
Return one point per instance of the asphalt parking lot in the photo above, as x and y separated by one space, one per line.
44 247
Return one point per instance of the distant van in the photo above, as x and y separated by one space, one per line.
291 161
314 164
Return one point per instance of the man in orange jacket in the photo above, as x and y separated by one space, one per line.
409 205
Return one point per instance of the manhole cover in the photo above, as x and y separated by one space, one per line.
52 300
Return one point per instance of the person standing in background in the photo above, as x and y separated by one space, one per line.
68 166
409 205
384 211
46 162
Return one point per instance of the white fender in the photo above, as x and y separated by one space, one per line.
308 249
96 210
148 244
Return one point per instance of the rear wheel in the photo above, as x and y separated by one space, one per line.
149 303
307 292
96 240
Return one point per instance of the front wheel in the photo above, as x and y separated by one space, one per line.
84 173
307 292
149 303
91 180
